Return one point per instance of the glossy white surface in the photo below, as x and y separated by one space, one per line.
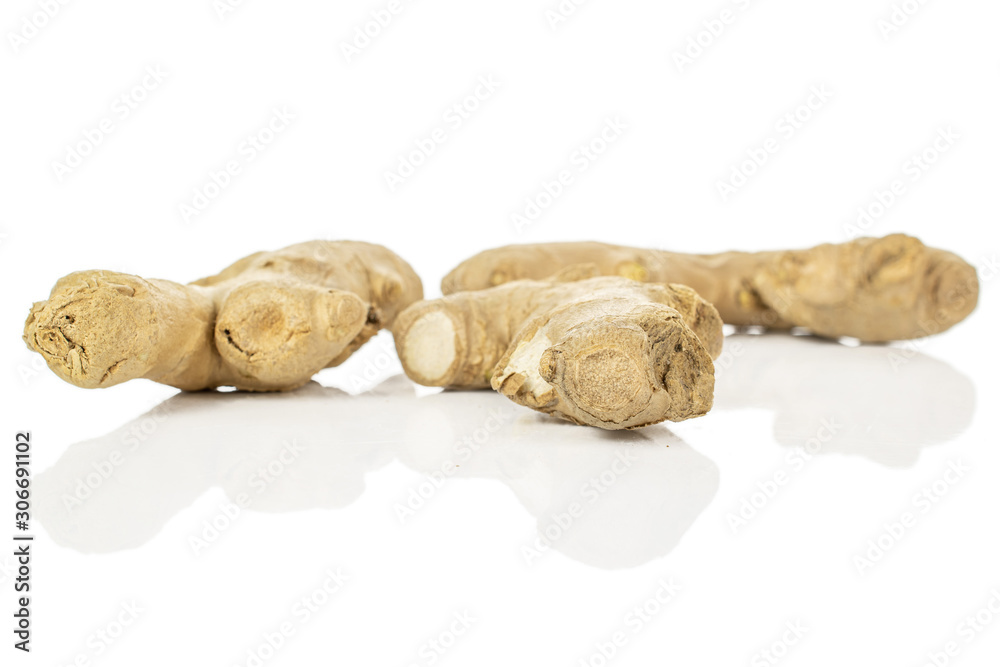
884 422
221 511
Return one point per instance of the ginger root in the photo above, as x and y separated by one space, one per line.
873 289
269 322
608 352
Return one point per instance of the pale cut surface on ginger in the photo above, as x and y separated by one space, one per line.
431 345
268 322
525 360
873 289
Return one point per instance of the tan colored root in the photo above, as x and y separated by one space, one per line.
609 352
268 322
611 363
873 289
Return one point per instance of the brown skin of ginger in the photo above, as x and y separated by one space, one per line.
268 322
607 352
872 289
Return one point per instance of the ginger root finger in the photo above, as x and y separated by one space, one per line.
608 352
615 363
456 341
279 332
873 289
268 322
100 328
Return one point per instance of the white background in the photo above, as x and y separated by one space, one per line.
904 414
